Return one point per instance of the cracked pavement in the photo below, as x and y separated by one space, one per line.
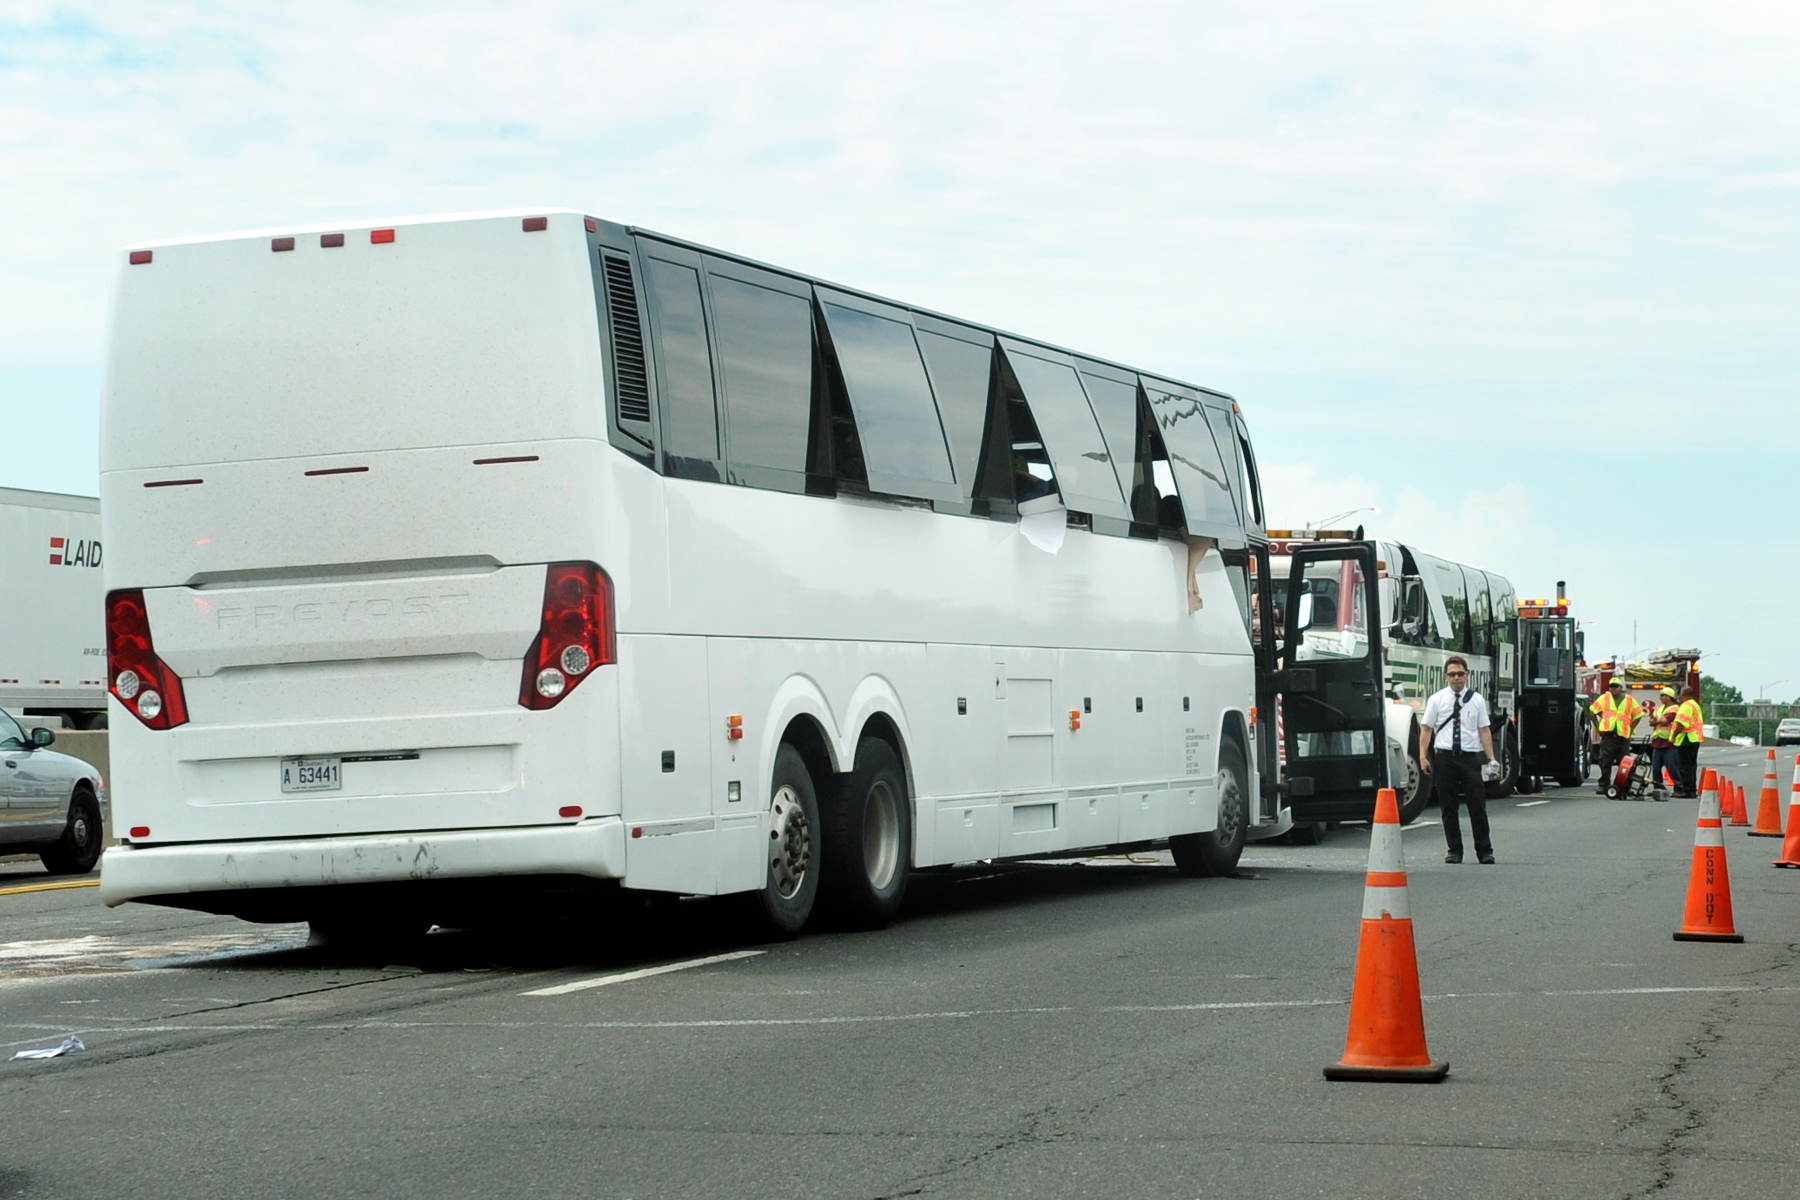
1050 1030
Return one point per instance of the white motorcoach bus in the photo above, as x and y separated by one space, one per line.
533 547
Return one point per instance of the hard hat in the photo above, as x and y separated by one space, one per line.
1615 681
1668 691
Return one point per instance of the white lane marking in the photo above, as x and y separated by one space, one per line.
581 985
753 1022
1531 803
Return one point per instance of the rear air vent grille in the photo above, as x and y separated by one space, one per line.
628 342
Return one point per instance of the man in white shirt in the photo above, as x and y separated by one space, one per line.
1454 723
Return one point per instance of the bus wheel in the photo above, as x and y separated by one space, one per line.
1415 791
786 900
1508 753
868 842
1216 853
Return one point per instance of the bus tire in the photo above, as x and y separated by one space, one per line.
78 849
1216 853
1417 792
786 901
868 840
1507 751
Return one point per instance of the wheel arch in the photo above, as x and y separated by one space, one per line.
875 711
800 717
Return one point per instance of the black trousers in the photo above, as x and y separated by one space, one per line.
1689 754
1458 776
1613 747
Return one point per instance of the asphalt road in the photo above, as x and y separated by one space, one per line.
1070 1030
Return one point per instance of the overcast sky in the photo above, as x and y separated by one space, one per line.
1524 275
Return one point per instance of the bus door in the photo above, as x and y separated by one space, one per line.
1332 707
1263 636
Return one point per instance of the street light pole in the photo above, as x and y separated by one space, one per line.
1760 689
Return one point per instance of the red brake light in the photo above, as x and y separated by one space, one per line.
575 634
143 683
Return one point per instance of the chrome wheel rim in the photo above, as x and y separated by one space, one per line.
79 830
1231 808
881 835
790 843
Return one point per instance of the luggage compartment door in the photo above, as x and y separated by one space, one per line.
1333 724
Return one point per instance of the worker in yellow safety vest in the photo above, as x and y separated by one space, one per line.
1663 755
1689 732
1615 715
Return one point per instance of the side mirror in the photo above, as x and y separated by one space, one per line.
1304 617
41 737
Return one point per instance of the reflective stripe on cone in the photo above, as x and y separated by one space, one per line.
1708 916
1790 850
1386 1042
1768 805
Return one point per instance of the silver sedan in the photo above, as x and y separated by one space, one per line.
51 805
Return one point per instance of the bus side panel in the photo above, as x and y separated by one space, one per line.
960 762
1092 684
666 767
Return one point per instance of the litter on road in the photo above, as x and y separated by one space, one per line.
69 1045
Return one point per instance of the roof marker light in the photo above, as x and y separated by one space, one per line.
330 241
593 226
381 236
140 257
536 224
280 244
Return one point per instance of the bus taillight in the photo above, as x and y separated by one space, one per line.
143 683
575 634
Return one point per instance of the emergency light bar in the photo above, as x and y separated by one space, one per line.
1544 608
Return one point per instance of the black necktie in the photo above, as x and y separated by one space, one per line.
1456 719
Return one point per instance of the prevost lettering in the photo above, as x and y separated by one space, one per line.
376 608
74 552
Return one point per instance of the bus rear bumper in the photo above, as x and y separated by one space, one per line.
593 848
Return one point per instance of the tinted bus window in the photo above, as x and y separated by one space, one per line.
1078 454
960 370
1200 478
896 417
1247 463
1481 621
683 361
1115 405
765 348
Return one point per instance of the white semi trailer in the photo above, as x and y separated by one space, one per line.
52 608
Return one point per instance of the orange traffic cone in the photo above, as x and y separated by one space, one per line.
1790 850
1387 1022
1740 813
1709 884
1768 806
